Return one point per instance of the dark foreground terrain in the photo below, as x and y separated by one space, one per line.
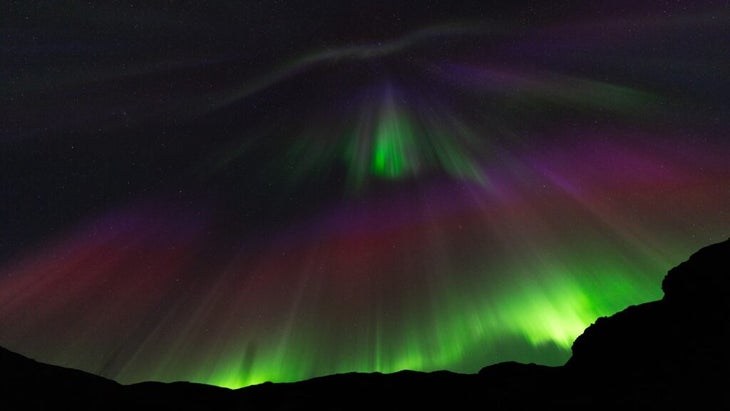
666 354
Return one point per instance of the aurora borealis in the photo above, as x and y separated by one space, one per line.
243 193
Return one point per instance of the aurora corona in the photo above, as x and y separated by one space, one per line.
443 197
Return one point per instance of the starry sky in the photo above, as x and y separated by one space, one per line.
272 191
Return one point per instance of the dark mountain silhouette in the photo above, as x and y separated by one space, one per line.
670 351
668 354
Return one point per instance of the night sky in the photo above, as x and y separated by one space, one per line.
273 191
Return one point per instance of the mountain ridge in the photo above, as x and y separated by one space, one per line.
663 353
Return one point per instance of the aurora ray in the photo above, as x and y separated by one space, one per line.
232 208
